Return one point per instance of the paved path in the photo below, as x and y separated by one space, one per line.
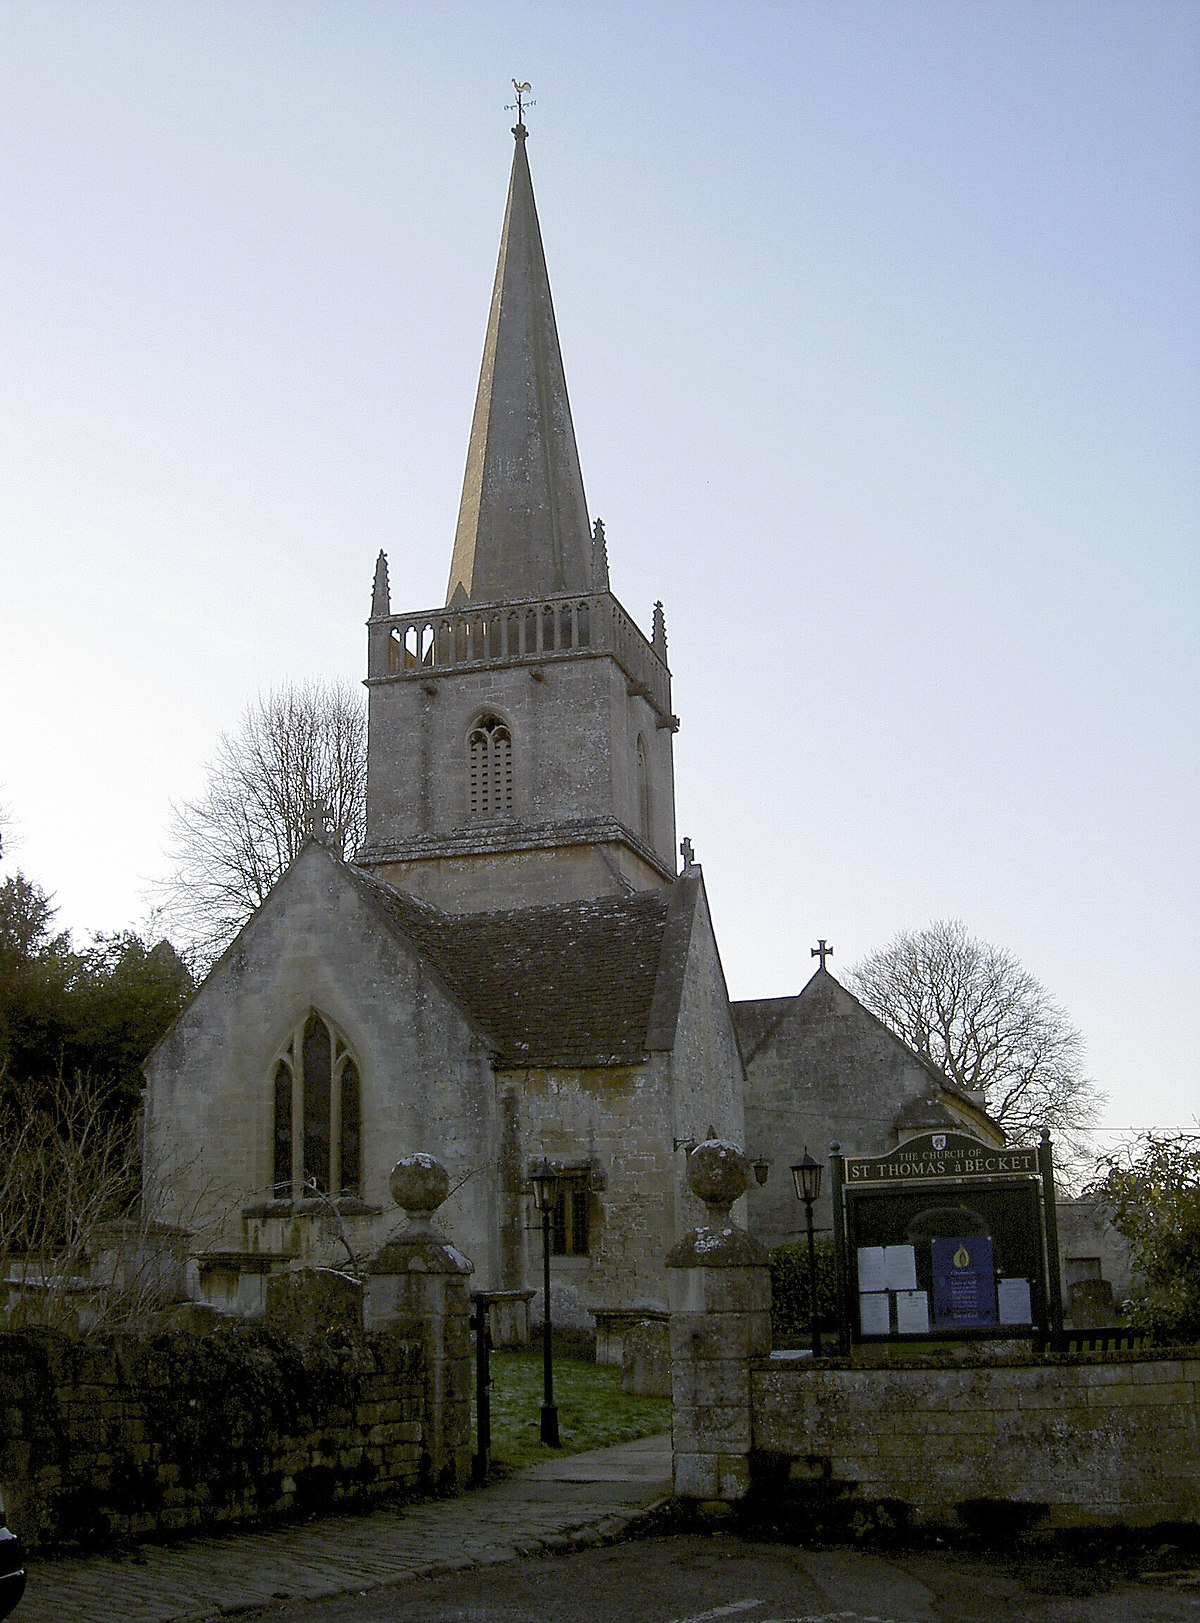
571 1503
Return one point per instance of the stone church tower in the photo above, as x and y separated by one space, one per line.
510 970
521 736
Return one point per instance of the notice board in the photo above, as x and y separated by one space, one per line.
945 1237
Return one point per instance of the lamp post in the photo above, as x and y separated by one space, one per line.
544 1182
806 1175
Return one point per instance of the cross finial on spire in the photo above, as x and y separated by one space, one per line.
518 106
821 951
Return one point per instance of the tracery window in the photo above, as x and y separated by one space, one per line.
489 769
317 1104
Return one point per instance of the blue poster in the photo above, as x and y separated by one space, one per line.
964 1283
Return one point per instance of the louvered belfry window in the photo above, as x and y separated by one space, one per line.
489 768
317 1113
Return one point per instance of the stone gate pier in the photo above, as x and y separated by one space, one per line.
719 1293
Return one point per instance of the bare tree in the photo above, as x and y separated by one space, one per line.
81 1241
985 1021
67 1166
297 748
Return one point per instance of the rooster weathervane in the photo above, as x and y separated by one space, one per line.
522 90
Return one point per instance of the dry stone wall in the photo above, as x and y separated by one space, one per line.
117 1438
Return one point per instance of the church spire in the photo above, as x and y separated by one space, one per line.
522 524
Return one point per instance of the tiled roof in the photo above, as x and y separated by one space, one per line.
755 1018
571 983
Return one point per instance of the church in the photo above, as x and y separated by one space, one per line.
514 968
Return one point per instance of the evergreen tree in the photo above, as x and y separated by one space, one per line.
66 1012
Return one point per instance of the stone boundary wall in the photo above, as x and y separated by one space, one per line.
124 1437
1058 1443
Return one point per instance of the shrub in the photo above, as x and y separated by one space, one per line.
791 1311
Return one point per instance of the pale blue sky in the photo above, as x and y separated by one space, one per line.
881 328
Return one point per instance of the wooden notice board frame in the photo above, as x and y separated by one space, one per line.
898 1280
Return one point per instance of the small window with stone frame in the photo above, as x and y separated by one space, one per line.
570 1220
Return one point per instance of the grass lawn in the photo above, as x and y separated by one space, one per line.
593 1412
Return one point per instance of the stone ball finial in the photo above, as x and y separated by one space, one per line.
717 1173
419 1184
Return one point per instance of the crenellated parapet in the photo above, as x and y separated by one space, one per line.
531 632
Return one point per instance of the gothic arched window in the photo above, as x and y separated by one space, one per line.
489 769
317 1113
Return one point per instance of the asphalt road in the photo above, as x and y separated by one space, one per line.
717 1578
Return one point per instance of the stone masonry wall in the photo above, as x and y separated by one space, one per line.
1058 1443
792 1102
619 1118
141 1437
574 727
316 943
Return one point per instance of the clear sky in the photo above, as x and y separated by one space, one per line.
881 327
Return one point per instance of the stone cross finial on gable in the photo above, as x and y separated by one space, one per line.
319 826
821 951
686 852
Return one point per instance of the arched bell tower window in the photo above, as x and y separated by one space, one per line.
489 768
317 1113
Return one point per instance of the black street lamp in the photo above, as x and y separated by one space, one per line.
806 1175
544 1182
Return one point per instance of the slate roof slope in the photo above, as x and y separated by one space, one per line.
571 983
754 1019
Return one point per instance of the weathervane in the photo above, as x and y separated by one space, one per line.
518 106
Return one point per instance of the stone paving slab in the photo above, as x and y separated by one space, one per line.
565 1503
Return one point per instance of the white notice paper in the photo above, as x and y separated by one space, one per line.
872 1268
912 1313
874 1315
887 1268
1013 1301
900 1263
